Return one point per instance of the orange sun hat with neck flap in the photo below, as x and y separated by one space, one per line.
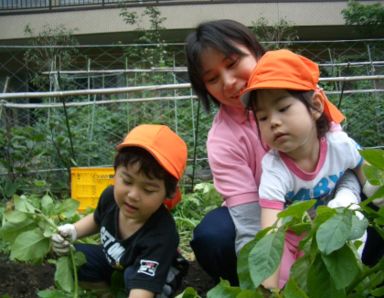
165 146
283 69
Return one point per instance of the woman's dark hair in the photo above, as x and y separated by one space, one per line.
322 123
220 35
149 166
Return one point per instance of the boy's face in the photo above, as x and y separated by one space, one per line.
137 195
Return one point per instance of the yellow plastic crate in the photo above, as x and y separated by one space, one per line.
88 183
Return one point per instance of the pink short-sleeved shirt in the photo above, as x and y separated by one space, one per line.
234 154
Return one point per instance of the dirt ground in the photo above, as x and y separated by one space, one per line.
24 281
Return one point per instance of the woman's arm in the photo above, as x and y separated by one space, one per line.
347 191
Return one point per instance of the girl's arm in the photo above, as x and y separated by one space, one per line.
268 218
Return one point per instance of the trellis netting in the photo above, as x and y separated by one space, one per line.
59 113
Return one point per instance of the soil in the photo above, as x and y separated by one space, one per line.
18 280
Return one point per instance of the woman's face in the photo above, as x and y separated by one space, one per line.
226 76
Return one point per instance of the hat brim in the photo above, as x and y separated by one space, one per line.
246 96
156 154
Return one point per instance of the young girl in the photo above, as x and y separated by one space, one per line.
307 156
221 55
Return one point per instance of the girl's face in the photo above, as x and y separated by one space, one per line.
284 121
137 195
226 76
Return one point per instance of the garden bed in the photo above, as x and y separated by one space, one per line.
19 280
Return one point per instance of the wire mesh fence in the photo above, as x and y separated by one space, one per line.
71 110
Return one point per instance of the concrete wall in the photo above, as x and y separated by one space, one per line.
100 25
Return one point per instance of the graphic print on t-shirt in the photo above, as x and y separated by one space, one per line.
148 267
112 248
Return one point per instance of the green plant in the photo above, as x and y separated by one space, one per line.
283 30
192 208
53 50
366 18
330 266
27 226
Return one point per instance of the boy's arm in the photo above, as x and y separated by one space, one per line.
86 226
268 218
140 293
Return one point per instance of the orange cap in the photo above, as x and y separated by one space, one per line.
283 69
162 143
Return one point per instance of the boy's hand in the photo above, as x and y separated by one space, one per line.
62 241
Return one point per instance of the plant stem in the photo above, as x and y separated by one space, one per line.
379 266
74 268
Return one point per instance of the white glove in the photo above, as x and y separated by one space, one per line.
343 198
347 199
61 242
369 190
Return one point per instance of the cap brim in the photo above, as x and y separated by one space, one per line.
246 96
156 155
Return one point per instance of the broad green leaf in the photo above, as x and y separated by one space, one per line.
15 216
9 231
297 210
265 256
379 292
379 193
292 290
63 274
374 157
373 174
242 265
79 258
323 213
320 283
342 266
46 204
243 261
299 271
333 233
250 294
223 290
358 227
22 204
49 293
188 293
30 246
300 228
14 223
67 207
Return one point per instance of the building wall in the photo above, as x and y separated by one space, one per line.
105 25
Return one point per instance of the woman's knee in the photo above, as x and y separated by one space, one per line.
216 229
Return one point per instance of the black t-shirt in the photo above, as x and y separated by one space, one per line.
147 254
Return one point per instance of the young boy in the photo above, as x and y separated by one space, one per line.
138 234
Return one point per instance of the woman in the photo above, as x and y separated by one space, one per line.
221 55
